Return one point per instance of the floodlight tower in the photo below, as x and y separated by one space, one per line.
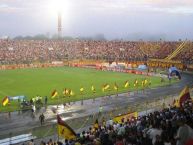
59 24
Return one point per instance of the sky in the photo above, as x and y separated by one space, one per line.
132 19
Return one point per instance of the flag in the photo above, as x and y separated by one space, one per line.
126 84
105 87
184 95
64 130
136 83
176 103
54 94
66 92
71 93
145 82
116 87
81 89
93 89
5 101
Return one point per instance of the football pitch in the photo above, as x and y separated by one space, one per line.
42 81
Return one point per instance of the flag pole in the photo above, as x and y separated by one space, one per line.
82 99
57 129
93 96
58 102
146 107
57 132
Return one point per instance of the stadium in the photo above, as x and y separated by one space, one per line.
94 91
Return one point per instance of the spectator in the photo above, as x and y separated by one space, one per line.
184 133
42 118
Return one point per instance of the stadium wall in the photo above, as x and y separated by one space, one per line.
98 64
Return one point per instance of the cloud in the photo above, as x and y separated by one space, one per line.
4 8
137 6
161 6
171 3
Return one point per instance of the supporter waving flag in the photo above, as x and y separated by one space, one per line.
126 84
5 101
184 95
81 90
105 87
93 89
96 124
71 93
66 92
64 130
136 83
54 94
145 82
116 87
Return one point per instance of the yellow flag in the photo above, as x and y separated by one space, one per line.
64 130
116 87
5 101
145 82
142 83
125 117
54 94
126 84
176 103
107 86
71 93
103 88
81 89
93 89
136 83
66 92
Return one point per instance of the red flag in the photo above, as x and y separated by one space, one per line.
184 95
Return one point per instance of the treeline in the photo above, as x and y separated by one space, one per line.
55 37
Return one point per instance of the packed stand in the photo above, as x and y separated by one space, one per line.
30 51
170 126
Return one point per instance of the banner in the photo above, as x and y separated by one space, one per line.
125 117
17 98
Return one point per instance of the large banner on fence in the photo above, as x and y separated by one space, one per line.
125 117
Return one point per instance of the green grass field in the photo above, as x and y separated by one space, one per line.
42 81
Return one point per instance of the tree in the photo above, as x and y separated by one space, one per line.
99 37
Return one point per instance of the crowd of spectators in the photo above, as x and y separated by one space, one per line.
170 126
29 51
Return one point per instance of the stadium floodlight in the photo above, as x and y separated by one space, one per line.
60 9
58 6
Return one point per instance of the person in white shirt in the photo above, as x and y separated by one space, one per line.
153 132
184 133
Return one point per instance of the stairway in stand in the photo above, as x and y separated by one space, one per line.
179 49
